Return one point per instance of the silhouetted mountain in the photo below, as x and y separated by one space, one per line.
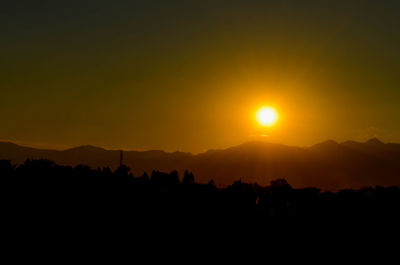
375 147
327 165
374 142
326 146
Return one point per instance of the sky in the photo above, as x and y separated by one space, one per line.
190 75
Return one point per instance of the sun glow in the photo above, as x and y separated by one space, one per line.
266 116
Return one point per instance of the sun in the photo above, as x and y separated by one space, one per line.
266 116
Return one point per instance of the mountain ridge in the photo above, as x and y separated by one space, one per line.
328 165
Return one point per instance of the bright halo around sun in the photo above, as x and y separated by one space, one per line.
267 116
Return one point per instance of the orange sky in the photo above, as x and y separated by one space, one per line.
189 76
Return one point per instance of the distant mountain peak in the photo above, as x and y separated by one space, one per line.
374 141
326 144
330 142
86 148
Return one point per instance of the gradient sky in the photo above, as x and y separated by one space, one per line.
189 75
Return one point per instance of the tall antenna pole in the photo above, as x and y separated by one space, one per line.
121 157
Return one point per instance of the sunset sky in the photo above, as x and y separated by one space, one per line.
191 75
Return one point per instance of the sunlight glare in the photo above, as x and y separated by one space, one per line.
266 116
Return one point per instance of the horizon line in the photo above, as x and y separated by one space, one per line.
61 148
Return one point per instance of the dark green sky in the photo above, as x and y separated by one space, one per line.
189 75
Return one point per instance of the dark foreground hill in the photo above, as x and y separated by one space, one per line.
44 194
328 165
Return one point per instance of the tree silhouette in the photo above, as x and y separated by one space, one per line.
188 178
40 187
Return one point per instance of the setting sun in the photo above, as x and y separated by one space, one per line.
266 116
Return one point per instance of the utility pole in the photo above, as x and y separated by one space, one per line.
121 157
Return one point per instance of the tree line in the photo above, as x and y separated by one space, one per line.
41 187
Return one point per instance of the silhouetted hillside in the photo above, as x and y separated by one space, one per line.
38 190
327 165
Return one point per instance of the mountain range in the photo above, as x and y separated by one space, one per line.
328 165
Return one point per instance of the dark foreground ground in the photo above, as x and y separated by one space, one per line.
52 212
39 188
